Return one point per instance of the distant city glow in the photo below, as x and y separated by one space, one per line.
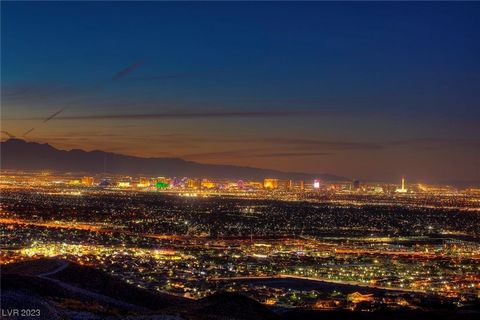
193 229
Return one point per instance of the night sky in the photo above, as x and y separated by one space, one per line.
374 91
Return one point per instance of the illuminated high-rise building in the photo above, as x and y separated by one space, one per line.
240 184
161 184
302 185
87 181
270 183
207 184
402 189
124 184
288 185
194 183
143 183
75 182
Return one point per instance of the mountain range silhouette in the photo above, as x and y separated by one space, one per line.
17 154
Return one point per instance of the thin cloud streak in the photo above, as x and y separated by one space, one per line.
189 115
436 142
293 154
28 131
8 134
35 92
179 75
326 144
53 115
232 154
124 72
251 153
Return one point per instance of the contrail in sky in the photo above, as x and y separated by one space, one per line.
127 70
190 115
53 115
28 132
8 134
121 74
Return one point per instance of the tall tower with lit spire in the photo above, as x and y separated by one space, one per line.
402 189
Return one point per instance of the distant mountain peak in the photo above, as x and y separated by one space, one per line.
18 154
14 140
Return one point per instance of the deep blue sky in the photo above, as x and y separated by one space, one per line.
369 90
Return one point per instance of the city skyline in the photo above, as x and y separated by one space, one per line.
240 160
374 250
373 91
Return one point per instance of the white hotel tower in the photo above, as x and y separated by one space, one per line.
402 189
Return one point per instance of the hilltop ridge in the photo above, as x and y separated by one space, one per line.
17 154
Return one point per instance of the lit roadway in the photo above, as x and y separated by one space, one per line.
86 227
101 229
345 282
